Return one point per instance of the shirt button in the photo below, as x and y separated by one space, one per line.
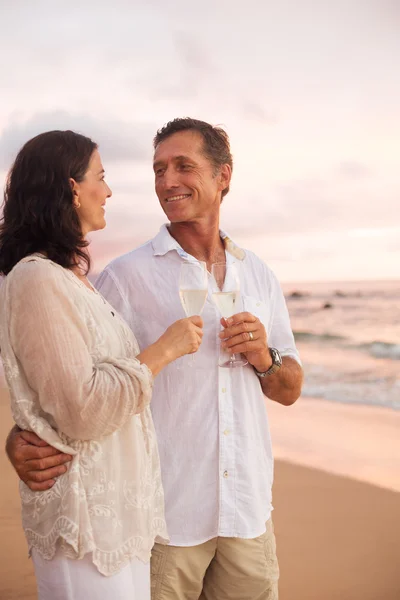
258 303
223 390
226 432
226 474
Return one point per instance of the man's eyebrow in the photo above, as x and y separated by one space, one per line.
178 158
101 172
182 157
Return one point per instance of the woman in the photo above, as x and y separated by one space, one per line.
77 380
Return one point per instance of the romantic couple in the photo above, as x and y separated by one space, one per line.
114 422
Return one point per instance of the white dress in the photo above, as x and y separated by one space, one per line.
70 365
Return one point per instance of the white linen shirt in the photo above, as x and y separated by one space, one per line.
211 422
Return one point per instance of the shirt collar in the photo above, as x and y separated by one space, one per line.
164 243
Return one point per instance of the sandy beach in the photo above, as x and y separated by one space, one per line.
338 535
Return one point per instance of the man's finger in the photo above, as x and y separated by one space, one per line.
40 487
29 452
242 338
32 438
238 318
42 464
43 476
239 329
243 347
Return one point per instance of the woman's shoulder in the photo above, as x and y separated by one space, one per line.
33 271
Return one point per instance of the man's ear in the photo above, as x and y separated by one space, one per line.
225 175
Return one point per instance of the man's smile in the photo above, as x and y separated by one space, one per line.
179 197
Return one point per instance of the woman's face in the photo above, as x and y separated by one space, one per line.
90 196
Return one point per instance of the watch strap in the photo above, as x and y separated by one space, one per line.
276 364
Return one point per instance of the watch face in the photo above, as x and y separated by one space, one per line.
276 357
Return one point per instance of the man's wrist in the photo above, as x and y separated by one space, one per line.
264 363
276 363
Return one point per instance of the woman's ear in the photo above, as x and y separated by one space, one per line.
75 192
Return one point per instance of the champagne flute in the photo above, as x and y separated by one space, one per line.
226 295
193 288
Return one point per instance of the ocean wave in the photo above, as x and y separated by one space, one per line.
382 350
304 336
351 388
350 394
377 348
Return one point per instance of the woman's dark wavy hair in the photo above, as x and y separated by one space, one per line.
38 210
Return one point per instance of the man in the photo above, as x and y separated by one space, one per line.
211 422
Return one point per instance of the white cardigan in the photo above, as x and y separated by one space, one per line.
70 365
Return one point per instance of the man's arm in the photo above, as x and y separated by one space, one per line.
284 386
36 463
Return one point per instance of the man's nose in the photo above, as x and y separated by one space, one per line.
170 179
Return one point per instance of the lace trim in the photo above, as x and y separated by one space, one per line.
46 545
65 536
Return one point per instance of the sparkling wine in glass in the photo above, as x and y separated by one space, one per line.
226 295
193 288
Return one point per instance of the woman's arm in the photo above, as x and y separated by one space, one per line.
87 399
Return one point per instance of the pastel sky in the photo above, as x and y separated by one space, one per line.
309 92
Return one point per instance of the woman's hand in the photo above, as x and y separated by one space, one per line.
182 337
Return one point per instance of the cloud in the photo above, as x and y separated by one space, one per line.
259 112
310 205
353 169
119 140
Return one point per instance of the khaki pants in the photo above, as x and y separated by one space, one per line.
220 569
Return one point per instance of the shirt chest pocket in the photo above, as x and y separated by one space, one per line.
258 308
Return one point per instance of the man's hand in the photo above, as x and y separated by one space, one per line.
36 463
245 334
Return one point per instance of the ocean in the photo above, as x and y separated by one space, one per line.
348 335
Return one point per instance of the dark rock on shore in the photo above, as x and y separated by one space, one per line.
298 294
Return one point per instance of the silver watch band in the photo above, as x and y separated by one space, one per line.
276 364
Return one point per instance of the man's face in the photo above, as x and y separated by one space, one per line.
186 185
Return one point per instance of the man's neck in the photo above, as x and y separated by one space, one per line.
200 239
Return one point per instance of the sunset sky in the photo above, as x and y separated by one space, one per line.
308 91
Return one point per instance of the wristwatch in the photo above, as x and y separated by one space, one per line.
276 363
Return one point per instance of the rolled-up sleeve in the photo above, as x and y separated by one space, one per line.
87 399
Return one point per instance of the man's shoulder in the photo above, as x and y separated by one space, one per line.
257 265
131 260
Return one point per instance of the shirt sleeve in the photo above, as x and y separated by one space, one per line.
87 399
280 331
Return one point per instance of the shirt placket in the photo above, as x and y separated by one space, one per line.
227 473
226 454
